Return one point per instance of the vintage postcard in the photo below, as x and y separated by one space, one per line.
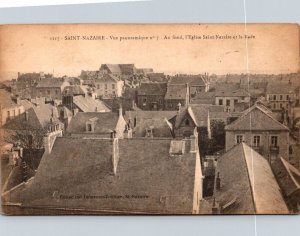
150 119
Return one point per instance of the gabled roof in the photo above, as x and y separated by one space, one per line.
156 77
192 80
248 182
199 114
88 104
6 100
256 117
38 117
147 180
204 98
106 123
153 89
113 68
157 120
107 78
176 91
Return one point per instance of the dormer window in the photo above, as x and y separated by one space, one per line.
187 122
90 125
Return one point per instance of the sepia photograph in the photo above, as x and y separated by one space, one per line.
150 119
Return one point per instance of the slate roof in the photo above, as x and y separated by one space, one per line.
199 114
287 176
106 123
156 77
153 89
176 91
192 80
204 98
51 83
74 90
280 88
159 121
248 182
6 100
147 180
38 117
88 104
256 118
114 68
240 92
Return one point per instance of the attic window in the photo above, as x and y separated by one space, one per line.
187 122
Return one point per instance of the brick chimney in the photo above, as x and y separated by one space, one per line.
115 154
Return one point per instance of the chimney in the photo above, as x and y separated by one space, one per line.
115 154
127 132
26 116
215 208
218 182
179 107
75 111
194 141
120 111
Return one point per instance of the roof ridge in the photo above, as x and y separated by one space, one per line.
248 174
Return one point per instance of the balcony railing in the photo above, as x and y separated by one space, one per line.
258 149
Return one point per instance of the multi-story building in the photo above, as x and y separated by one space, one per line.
281 95
50 88
151 96
108 86
230 99
9 108
259 129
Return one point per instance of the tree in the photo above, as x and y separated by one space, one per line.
218 133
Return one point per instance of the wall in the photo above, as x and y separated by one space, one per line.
150 99
14 111
265 142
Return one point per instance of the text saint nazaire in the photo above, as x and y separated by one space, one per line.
84 37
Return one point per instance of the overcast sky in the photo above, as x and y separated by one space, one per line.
28 48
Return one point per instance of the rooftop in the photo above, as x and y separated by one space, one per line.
153 89
257 117
106 122
89 104
176 91
192 80
147 180
250 186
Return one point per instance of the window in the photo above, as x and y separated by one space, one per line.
8 114
287 97
220 101
274 141
287 105
274 97
280 105
48 91
105 86
113 86
187 122
274 105
56 91
227 102
235 101
256 141
89 127
239 139
19 111
281 97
